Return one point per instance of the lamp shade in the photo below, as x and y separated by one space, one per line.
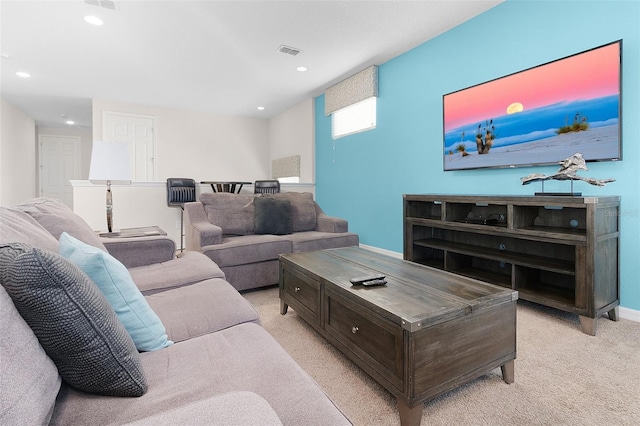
110 162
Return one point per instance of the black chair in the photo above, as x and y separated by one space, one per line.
266 187
180 191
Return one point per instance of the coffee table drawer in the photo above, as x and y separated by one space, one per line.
302 293
377 341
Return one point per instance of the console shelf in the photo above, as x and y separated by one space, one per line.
560 266
556 251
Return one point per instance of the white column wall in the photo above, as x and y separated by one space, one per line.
17 155
292 133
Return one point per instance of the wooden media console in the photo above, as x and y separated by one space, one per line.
558 251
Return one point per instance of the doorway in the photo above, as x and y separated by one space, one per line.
138 132
59 164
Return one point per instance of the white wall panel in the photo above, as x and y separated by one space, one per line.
17 155
292 133
200 145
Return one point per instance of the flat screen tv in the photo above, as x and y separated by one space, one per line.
538 116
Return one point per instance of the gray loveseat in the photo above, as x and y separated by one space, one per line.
244 234
217 365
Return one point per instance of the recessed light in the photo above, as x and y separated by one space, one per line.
93 20
70 122
260 108
302 69
23 74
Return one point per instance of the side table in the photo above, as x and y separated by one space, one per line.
144 231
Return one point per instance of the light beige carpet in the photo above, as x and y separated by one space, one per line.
562 376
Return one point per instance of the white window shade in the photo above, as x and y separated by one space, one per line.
355 118
286 167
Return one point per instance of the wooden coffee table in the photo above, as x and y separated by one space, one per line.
424 333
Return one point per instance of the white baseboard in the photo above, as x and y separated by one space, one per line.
383 251
630 314
626 313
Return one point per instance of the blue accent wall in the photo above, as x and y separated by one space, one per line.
362 177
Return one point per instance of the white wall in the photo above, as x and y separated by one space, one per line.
200 145
292 133
17 155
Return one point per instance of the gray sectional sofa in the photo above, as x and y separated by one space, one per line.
68 356
244 234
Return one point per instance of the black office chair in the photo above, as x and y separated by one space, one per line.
266 187
180 191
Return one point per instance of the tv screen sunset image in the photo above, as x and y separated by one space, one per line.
538 116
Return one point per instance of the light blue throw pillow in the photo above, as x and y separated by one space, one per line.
115 282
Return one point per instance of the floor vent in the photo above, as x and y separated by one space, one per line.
107 4
287 50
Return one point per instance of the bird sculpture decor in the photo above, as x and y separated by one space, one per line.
568 171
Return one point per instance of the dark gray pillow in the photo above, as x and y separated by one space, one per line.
273 216
303 210
73 321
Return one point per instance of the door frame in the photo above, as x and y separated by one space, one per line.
77 150
105 113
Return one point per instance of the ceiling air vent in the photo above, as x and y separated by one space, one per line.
288 50
107 4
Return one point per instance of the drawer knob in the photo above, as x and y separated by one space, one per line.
354 329
297 289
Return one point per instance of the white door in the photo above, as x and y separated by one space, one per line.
137 131
59 164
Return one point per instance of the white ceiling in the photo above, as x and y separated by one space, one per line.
212 56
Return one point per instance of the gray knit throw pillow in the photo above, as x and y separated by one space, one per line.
73 321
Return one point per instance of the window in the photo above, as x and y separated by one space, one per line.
355 118
286 169
289 179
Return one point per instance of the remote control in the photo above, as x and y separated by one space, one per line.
360 280
374 283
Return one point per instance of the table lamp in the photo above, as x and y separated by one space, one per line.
110 164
